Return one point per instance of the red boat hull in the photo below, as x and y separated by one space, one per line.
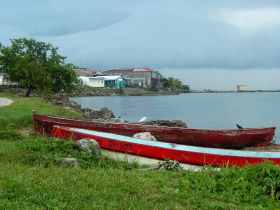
162 150
199 137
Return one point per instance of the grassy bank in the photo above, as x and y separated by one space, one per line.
31 177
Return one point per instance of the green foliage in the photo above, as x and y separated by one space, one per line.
46 152
9 134
165 82
37 66
252 183
185 88
119 91
173 84
32 178
19 114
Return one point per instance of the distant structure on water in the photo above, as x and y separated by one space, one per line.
240 88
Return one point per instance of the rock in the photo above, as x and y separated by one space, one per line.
26 132
87 112
118 120
104 113
145 136
169 123
74 105
169 165
178 123
91 146
63 101
70 161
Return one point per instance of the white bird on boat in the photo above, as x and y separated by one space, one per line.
143 119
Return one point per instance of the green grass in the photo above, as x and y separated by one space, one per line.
17 117
32 178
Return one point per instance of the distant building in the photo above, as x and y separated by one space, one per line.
92 81
113 81
87 72
103 81
140 77
5 81
1 78
240 88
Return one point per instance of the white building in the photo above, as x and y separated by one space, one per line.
1 79
103 81
92 81
5 81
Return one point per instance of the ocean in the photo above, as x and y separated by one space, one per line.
198 110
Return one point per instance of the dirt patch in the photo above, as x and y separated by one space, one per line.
5 102
268 148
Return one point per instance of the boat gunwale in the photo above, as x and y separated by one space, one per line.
198 130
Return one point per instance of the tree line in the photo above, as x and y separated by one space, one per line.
172 84
36 65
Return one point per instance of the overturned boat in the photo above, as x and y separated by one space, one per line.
235 139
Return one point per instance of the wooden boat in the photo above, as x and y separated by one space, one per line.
234 139
163 150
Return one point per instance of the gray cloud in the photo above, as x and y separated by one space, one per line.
221 79
180 34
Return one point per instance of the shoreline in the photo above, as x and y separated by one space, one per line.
234 91
132 92
172 94
97 95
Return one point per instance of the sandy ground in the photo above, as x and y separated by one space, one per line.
268 148
5 101
144 160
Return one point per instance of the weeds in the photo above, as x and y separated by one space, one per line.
32 178
46 152
252 183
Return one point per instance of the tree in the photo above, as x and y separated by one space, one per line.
174 84
37 66
165 82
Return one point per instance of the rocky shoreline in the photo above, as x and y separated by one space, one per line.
105 114
88 91
102 114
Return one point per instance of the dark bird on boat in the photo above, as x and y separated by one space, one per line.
239 127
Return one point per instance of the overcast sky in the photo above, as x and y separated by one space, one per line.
199 41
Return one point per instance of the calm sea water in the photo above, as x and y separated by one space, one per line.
200 110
